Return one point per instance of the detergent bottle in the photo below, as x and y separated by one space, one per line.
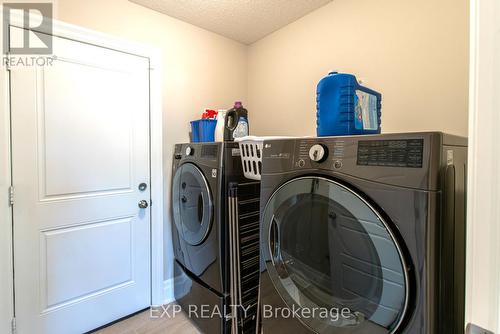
236 122
221 125
344 107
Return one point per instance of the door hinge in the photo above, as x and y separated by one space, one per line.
11 195
13 326
7 61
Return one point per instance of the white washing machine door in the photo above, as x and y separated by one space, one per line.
327 249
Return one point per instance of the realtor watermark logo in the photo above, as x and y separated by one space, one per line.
27 34
342 317
202 311
36 17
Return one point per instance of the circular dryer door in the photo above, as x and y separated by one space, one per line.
191 204
333 258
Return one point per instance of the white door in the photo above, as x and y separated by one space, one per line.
80 149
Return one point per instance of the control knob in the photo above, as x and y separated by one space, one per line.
318 153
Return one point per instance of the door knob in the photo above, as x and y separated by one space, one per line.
143 204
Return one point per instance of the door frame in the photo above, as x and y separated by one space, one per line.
483 205
6 252
80 34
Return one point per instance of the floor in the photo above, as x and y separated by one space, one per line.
142 323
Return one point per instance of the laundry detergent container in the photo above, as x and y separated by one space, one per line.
344 107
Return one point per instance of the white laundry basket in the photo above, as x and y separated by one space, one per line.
251 154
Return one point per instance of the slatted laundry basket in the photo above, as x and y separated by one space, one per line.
251 154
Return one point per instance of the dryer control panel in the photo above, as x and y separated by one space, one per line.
408 160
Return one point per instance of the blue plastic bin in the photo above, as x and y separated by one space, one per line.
203 130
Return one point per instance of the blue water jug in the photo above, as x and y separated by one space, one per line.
344 107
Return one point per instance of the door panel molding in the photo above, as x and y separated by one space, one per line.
56 180
63 241
153 56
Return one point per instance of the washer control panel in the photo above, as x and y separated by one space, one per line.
350 155
314 153
397 159
206 154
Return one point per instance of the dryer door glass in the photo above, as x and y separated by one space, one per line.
332 256
191 204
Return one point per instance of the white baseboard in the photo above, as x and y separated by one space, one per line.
168 291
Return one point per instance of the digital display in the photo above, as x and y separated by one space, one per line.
391 153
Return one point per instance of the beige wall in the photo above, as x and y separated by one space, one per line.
414 52
200 68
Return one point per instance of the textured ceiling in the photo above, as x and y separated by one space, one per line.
245 21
